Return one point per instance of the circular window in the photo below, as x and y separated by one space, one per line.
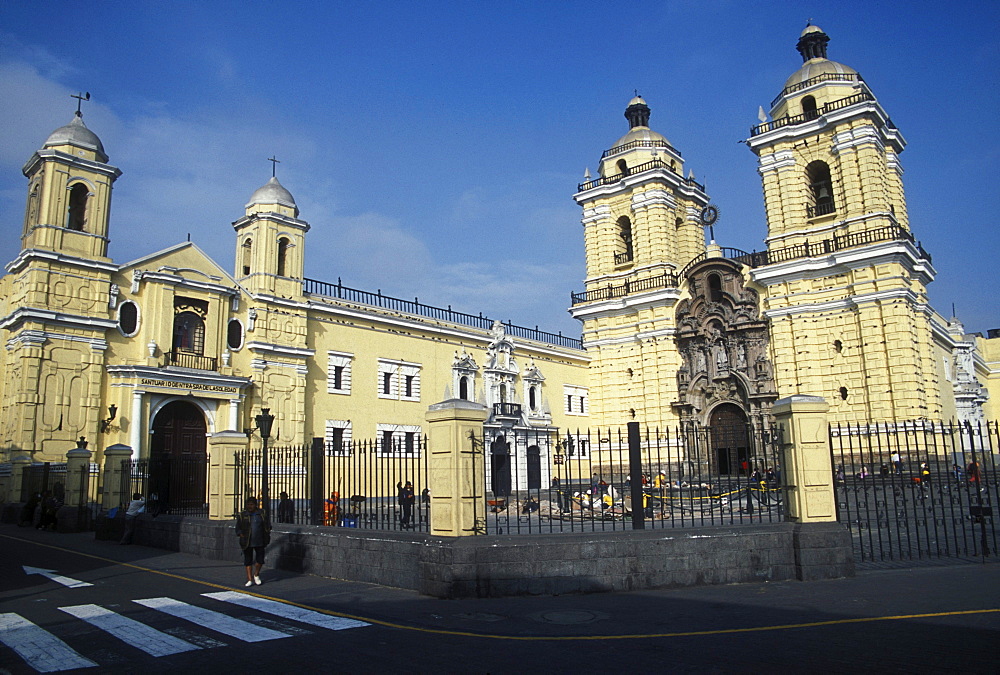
234 337
128 318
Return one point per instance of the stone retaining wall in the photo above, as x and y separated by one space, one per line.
496 566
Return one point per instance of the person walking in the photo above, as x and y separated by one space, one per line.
135 507
286 508
254 531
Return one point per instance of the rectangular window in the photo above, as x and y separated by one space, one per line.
399 440
399 380
338 372
577 400
338 438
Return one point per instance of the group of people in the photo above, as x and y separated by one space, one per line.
48 502
923 474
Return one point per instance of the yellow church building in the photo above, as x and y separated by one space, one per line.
161 352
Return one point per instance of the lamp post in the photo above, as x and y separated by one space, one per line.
264 421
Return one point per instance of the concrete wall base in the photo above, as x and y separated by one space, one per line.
498 566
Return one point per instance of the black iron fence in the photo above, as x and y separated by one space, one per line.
174 485
541 482
372 484
917 490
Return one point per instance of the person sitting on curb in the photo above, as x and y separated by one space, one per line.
254 531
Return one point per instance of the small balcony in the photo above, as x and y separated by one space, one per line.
622 258
188 360
506 409
821 209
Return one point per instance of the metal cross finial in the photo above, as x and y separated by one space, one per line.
80 98
274 164
636 91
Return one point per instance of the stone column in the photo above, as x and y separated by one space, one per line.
135 423
222 483
114 477
455 465
806 467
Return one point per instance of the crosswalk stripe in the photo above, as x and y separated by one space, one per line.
148 639
241 630
287 611
42 650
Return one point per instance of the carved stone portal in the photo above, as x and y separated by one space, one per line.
723 341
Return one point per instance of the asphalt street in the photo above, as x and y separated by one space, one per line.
129 609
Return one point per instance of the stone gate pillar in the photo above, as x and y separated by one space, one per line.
74 514
806 468
17 466
222 486
456 480
114 477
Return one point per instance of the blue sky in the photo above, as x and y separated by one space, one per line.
435 147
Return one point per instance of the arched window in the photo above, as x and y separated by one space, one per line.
622 167
625 232
189 333
809 108
247 251
463 388
821 189
282 255
77 207
503 393
532 403
715 287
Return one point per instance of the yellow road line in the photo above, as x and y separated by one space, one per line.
527 638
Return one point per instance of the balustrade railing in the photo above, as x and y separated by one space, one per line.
792 120
633 170
825 77
639 144
340 292
188 360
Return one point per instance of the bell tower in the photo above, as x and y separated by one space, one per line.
58 300
69 194
270 243
845 280
641 227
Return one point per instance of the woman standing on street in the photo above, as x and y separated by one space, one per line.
254 530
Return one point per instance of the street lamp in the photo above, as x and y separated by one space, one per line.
264 421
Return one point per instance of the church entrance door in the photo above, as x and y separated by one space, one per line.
730 440
178 459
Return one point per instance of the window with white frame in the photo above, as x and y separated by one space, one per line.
338 438
398 380
399 440
338 372
577 400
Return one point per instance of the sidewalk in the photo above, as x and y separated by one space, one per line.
868 619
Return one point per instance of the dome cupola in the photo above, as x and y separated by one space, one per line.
271 193
77 134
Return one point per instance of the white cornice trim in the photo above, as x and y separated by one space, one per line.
274 217
630 303
793 132
37 338
48 316
29 167
168 277
29 255
453 331
177 377
283 350
633 181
